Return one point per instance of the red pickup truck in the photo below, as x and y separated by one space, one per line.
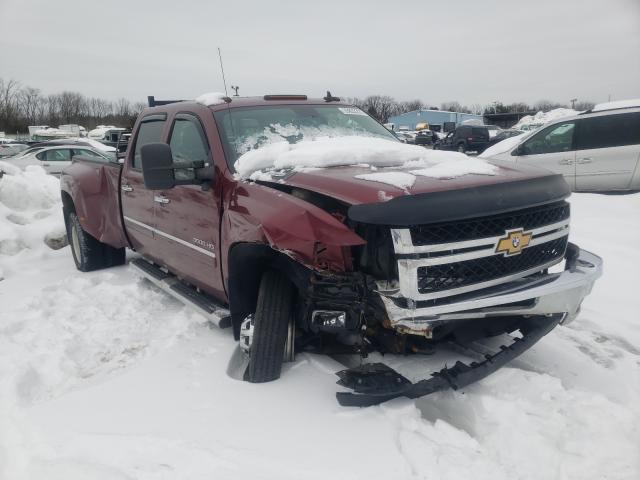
324 259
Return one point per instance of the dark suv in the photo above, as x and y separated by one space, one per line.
465 138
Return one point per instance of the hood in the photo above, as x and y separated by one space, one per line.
343 184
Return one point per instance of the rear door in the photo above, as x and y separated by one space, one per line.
188 216
552 148
137 201
608 147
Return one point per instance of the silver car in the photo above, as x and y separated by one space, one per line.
597 150
55 158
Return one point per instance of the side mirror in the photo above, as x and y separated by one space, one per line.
157 166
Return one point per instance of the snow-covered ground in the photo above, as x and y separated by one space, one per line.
104 377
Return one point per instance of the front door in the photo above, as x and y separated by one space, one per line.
137 201
188 216
552 148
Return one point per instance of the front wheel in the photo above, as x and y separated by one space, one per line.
269 335
461 148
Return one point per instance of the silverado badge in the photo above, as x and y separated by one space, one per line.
513 242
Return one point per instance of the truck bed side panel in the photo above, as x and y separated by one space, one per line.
95 190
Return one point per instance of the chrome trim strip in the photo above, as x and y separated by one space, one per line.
403 243
170 237
487 252
414 294
563 294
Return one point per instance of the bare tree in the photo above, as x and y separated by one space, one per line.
584 105
30 101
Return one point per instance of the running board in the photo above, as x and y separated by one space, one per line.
200 302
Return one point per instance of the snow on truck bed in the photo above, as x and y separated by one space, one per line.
104 377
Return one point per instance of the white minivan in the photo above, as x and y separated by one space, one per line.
597 150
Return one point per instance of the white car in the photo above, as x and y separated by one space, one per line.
597 150
55 158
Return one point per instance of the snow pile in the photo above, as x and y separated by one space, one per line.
359 150
617 104
210 99
30 211
541 118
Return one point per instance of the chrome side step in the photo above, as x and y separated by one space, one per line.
198 301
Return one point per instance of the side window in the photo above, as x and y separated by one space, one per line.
41 156
148 132
58 155
188 144
88 153
608 131
557 138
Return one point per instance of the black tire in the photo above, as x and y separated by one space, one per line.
461 148
274 312
88 253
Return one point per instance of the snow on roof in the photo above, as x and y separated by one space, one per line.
617 104
212 98
358 150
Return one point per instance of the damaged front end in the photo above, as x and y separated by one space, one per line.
435 276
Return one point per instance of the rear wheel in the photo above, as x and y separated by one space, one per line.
268 336
88 253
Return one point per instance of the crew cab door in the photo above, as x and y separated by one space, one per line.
137 201
187 217
553 149
608 147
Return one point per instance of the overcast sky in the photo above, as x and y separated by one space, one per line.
470 51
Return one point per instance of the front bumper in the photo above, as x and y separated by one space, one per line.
539 294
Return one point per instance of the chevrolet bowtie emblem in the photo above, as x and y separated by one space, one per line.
513 242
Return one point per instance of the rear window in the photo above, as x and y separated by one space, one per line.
608 131
479 132
149 132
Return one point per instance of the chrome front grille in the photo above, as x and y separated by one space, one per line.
440 270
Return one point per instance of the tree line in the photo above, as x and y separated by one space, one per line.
22 105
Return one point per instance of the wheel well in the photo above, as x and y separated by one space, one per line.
247 264
67 203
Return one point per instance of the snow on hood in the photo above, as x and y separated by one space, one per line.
504 145
357 150
210 99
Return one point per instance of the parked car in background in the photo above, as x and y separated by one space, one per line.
597 150
425 137
400 136
10 149
54 158
465 138
502 135
493 130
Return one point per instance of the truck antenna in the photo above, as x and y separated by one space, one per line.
222 68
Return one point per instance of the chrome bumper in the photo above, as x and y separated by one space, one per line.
542 294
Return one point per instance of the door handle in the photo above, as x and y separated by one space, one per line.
585 160
126 188
160 199
566 161
46 164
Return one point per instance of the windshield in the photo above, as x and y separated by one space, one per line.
245 129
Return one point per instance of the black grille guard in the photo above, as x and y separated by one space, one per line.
376 383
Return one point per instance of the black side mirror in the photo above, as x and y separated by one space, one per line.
157 166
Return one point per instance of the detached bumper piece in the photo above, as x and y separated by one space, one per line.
376 383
